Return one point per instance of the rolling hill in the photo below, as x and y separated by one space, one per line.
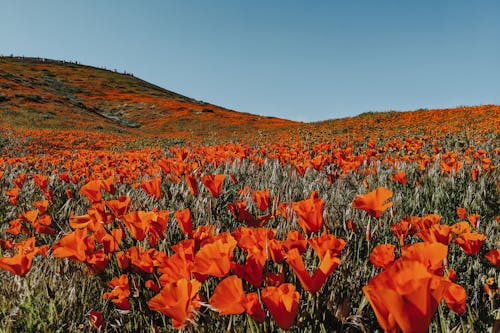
39 93
42 94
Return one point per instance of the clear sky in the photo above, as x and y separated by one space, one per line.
300 60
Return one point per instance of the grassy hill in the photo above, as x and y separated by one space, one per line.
56 95
39 93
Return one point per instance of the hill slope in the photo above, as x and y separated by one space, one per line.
55 95
41 93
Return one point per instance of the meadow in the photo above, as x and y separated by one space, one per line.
377 223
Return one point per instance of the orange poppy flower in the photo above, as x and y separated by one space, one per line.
461 213
254 308
192 185
374 203
254 240
431 255
312 283
229 297
401 230
120 292
283 303
310 214
405 296
470 242
179 265
400 177
327 242
294 240
252 269
41 181
97 261
13 193
151 285
262 199
41 205
92 190
474 220
108 185
215 258
455 298
493 256
140 259
383 255
184 221
96 319
460 228
20 263
153 187
436 233
239 210
276 251
71 246
178 300
213 183
119 207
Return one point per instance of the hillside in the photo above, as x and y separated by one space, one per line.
47 94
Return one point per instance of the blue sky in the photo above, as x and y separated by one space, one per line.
300 60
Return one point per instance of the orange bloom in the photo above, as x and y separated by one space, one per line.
327 242
120 292
312 283
192 185
239 210
92 190
400 177
405 296
178 300
310 214
254 308
213 183
382 255
71 246
252 269
153 187
96 319
461 213
228 297
431 255
41 181
179 265
474 220
493 256
455 298
20 263
13 193
184 221
215 258
41 205
401 230
119 207
262 199
294 240
283 303
470 242
460 228
436 233
374 203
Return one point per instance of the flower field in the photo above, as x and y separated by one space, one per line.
384 222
